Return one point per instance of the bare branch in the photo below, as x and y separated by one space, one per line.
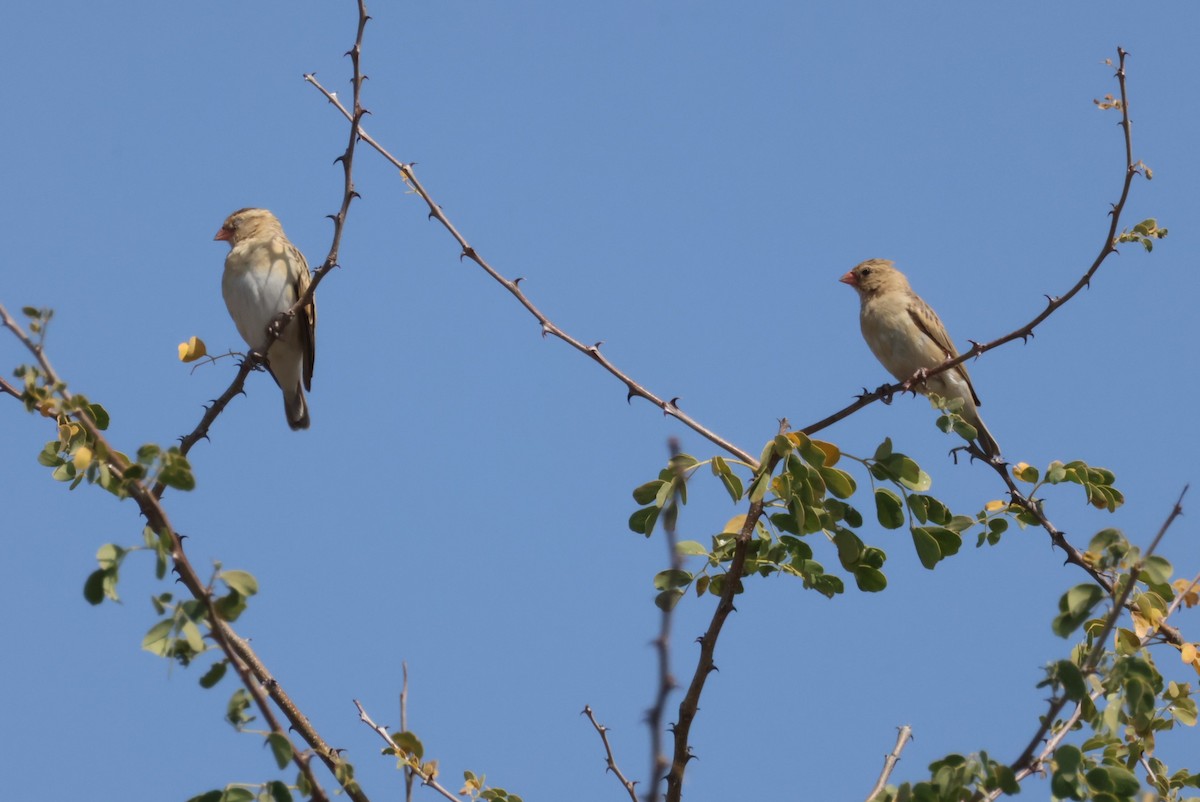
426 778
889 763
634 389
612 763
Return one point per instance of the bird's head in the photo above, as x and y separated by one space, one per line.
874 276
245 224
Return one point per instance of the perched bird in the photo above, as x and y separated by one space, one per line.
264 275
906 335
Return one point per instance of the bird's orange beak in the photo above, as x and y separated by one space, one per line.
223 235
849 279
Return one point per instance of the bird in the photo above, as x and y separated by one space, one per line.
265 274
906 336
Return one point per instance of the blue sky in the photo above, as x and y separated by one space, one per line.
684 181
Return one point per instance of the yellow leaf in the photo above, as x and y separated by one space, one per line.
734 525
992 506
1188 652
1191 594
832 452
192 350
82 458
1140 625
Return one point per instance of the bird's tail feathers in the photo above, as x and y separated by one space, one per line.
296 408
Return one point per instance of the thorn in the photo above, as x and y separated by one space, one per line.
339 158
629 395
354 194
332 217
545 330
517 281
598 344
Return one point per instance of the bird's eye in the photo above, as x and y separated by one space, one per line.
866 271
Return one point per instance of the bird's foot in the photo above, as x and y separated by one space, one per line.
257 359
276 326
918 378
885 393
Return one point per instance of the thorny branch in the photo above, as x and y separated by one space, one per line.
253 360
254 675
1032 758
236 650
689 705
426 779
630 787
669 407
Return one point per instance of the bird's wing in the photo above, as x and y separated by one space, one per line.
307 318
930 324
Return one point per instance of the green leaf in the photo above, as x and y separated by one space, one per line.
281 748
409 744
759 487
241 581
1118 781
192 634
884 450
667 600
671 578
785 522
100 415
642 521
733 484
849 547
237 795
279 791
691 548
869 580
949 541
1075 606
1157 570
888 508
645 494
158 639
214 674
840 483
927 547
208 796
93 588
1072 680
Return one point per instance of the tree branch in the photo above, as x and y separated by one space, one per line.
889 763
612 762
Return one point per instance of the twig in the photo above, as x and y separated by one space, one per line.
1028 762
331 259
408 770
889 763
383 733
150 505
662 644
1053 304
634 389
612 763
302 759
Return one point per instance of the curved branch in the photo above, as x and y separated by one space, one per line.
1054 304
